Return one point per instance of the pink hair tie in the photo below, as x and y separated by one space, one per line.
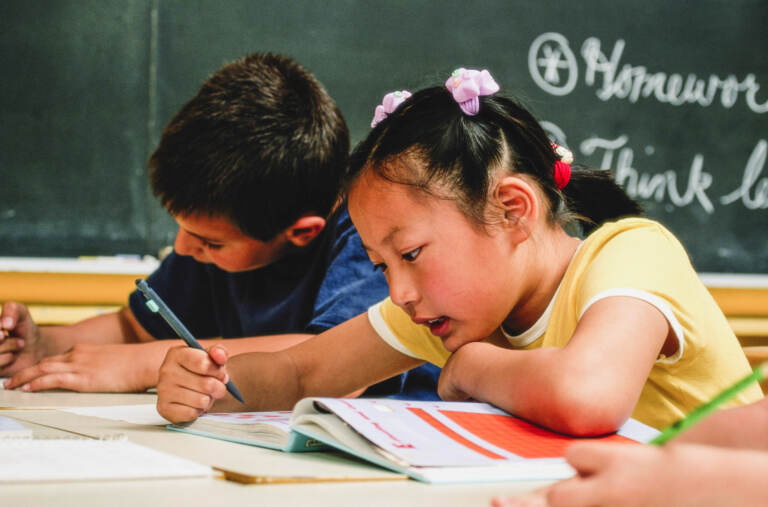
562 168
388 105
467 85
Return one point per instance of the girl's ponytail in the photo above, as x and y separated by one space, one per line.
594 197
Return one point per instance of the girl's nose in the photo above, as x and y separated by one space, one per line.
402 290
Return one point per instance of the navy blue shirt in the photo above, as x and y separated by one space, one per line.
310 290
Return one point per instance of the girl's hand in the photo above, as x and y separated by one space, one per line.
463 366
191 380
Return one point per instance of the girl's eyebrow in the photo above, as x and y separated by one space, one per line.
388 238
391 234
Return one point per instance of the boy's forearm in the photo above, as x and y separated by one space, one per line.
60 339
112 328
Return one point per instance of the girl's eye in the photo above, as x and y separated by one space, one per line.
212 246
411 256
379 266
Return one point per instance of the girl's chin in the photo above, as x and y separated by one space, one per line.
452 344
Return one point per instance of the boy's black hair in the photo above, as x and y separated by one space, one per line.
462 152
261 144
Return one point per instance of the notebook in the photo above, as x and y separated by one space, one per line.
436 442
10 428
47 460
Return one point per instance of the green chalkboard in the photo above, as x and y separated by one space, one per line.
674 98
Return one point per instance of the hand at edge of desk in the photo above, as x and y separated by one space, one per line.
21 344
626 475
90 368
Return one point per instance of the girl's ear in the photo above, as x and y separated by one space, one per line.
519 202
305 229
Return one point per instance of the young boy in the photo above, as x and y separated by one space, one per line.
250 169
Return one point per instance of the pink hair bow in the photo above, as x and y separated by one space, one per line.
468 85
388 105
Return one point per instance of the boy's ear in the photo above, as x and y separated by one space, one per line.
305 229
520 204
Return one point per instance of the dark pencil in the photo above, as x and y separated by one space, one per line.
157 305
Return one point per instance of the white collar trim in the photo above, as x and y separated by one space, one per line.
534 332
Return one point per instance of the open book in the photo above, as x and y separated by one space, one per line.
429 441
264 429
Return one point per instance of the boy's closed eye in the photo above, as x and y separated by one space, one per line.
212 246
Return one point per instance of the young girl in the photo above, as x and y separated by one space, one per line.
461 200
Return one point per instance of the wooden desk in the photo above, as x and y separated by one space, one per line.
64 291
215 491
84 281
744 300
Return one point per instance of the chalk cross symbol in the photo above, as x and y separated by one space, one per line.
550 53
552 61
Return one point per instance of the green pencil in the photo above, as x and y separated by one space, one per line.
670 432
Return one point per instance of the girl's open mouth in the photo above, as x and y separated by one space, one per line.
438 326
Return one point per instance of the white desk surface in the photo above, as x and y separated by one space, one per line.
215 491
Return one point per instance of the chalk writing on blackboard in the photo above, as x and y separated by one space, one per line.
550 56
554 68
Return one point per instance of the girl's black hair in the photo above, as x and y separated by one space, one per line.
462 152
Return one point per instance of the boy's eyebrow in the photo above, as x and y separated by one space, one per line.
202 238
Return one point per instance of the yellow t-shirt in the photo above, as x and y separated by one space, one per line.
631 257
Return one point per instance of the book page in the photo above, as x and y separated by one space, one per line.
280 419
266 429
428 434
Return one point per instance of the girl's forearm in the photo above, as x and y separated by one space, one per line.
267 381
270 343
541 385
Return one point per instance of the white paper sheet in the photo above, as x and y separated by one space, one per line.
145 414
